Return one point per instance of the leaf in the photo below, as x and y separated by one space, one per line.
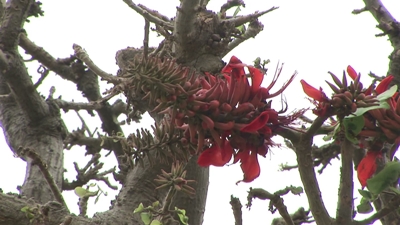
182 215
156 204
155 222
353 127
139 209
146 218
81 192
237 10
361 111
365 194
364 207
395 190
389 174
387 94
97 199
25 209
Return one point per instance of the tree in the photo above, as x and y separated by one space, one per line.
196 39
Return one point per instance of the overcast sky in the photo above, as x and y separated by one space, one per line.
309 36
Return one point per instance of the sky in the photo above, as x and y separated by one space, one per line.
311 37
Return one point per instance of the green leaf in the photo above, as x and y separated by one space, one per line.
182 215
25 209
361 111
237 10
365 194
156 204
395 190
353 127
139 209
155 222
389 174
364 207
81 192
146 218
387 94
97 199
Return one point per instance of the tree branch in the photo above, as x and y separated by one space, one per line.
237 210
240 20
389 26
345 206
13 20
84 57
308 177
150 16
43 168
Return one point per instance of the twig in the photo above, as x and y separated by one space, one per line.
46 59
65 105
276 200
43 74
84 126
345 206
146 39
154 13
358 11
231 3
237 210
254 28
240 20
84 57
315 126
89 173
149 16
43 168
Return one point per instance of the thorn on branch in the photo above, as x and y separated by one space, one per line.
36 160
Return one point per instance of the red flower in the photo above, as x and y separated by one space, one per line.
216 156
367 167
248 163
351 72
383 85
314 93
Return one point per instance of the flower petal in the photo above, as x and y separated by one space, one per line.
367 167
250 167
351 72
312 92
384 84
257 123
256 79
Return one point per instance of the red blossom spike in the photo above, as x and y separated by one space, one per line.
367 167
313 93
351 72
383 85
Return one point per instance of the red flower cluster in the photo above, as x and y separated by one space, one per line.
245 141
